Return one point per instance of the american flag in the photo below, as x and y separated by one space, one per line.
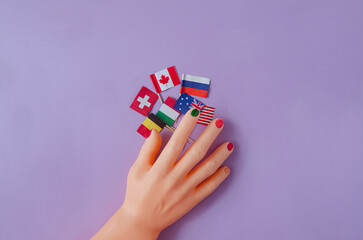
206 115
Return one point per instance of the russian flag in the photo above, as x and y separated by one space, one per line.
196 86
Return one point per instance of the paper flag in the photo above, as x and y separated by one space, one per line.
167 113
196 86
185 102
151 122
206 115
144 101
165 79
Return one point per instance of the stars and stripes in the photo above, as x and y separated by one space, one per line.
206 115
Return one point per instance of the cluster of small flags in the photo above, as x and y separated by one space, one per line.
171 108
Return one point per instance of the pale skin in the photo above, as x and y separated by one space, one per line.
160 191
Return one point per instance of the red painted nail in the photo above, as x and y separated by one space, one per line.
226 169
219 123
230 146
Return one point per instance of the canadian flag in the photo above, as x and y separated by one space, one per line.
165 79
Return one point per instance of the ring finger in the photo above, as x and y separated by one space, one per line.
209 166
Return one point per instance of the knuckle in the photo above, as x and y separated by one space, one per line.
179 195
169 186
198 152
176 146
211 187
210 167
160 206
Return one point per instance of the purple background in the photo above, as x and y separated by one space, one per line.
286 77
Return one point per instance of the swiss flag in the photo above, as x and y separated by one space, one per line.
144 101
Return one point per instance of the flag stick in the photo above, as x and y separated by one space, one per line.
177 118
169 129
172 129
161 100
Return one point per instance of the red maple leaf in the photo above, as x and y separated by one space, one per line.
164 80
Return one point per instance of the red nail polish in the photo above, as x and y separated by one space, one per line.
226 170
219 123
230 146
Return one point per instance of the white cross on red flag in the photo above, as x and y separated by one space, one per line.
144 101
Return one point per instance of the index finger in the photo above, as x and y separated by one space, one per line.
176 143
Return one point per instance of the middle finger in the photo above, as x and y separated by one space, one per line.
199 148
177 141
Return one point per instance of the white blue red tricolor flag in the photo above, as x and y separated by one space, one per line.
185 102
196 86
165 79
206 115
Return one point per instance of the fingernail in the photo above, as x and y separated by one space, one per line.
230 146
195 112
226 169
219 123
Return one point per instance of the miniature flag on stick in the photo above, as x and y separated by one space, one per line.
165 79
196 86
206 115
151 122
144 101
167 113
185 102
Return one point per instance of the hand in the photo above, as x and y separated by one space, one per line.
161 191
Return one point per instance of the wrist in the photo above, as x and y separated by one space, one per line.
123 225
139 229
